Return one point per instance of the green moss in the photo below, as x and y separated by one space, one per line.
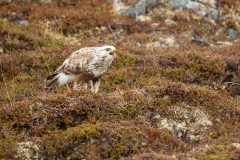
215 157
164 101
25 78
128 59
53 42
217 152
87 130
177 74
220 148
214 135
8 148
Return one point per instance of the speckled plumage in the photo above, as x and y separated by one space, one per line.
83 66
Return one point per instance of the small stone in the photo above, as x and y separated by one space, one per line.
195 6
21 22
178 3
157 116
103 28
222 43
140 7
231 33
143 18
45 1
150 4
215 15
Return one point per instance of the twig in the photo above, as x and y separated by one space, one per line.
114 36
43 57
232 83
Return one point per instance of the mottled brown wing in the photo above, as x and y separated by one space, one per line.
78 62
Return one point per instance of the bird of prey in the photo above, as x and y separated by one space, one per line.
85 65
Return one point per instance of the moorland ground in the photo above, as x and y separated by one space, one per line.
177 99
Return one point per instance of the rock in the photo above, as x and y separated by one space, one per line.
190 125
211 3
163 42
45 1
119 7
195 6
178 3
170 42
150 4
198 40
138 9
21 22
141 8
214 14
202 13
143 18
199 8
222 43
28 150
231 33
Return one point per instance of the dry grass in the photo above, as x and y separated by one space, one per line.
142 87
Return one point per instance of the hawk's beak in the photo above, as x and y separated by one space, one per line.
113 53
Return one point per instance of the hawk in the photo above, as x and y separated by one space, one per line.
85 65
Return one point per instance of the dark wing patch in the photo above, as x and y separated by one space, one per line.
52 76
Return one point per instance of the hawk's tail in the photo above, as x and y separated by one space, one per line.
58 78
52 80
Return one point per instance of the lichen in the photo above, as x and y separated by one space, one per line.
28 150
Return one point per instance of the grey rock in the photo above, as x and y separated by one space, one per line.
231 33
151 3
198 8
21 22
203 13
197 39
195 6
141 8
138 9
130 12
215 15
214 6
178 3
190 125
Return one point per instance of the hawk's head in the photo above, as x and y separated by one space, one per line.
108 52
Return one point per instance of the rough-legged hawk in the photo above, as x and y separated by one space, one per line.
83 66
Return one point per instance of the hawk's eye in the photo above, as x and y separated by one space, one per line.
108 49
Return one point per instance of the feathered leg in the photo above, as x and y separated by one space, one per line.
95 84
79 83
80 86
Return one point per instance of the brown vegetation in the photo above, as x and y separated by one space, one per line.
151 99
